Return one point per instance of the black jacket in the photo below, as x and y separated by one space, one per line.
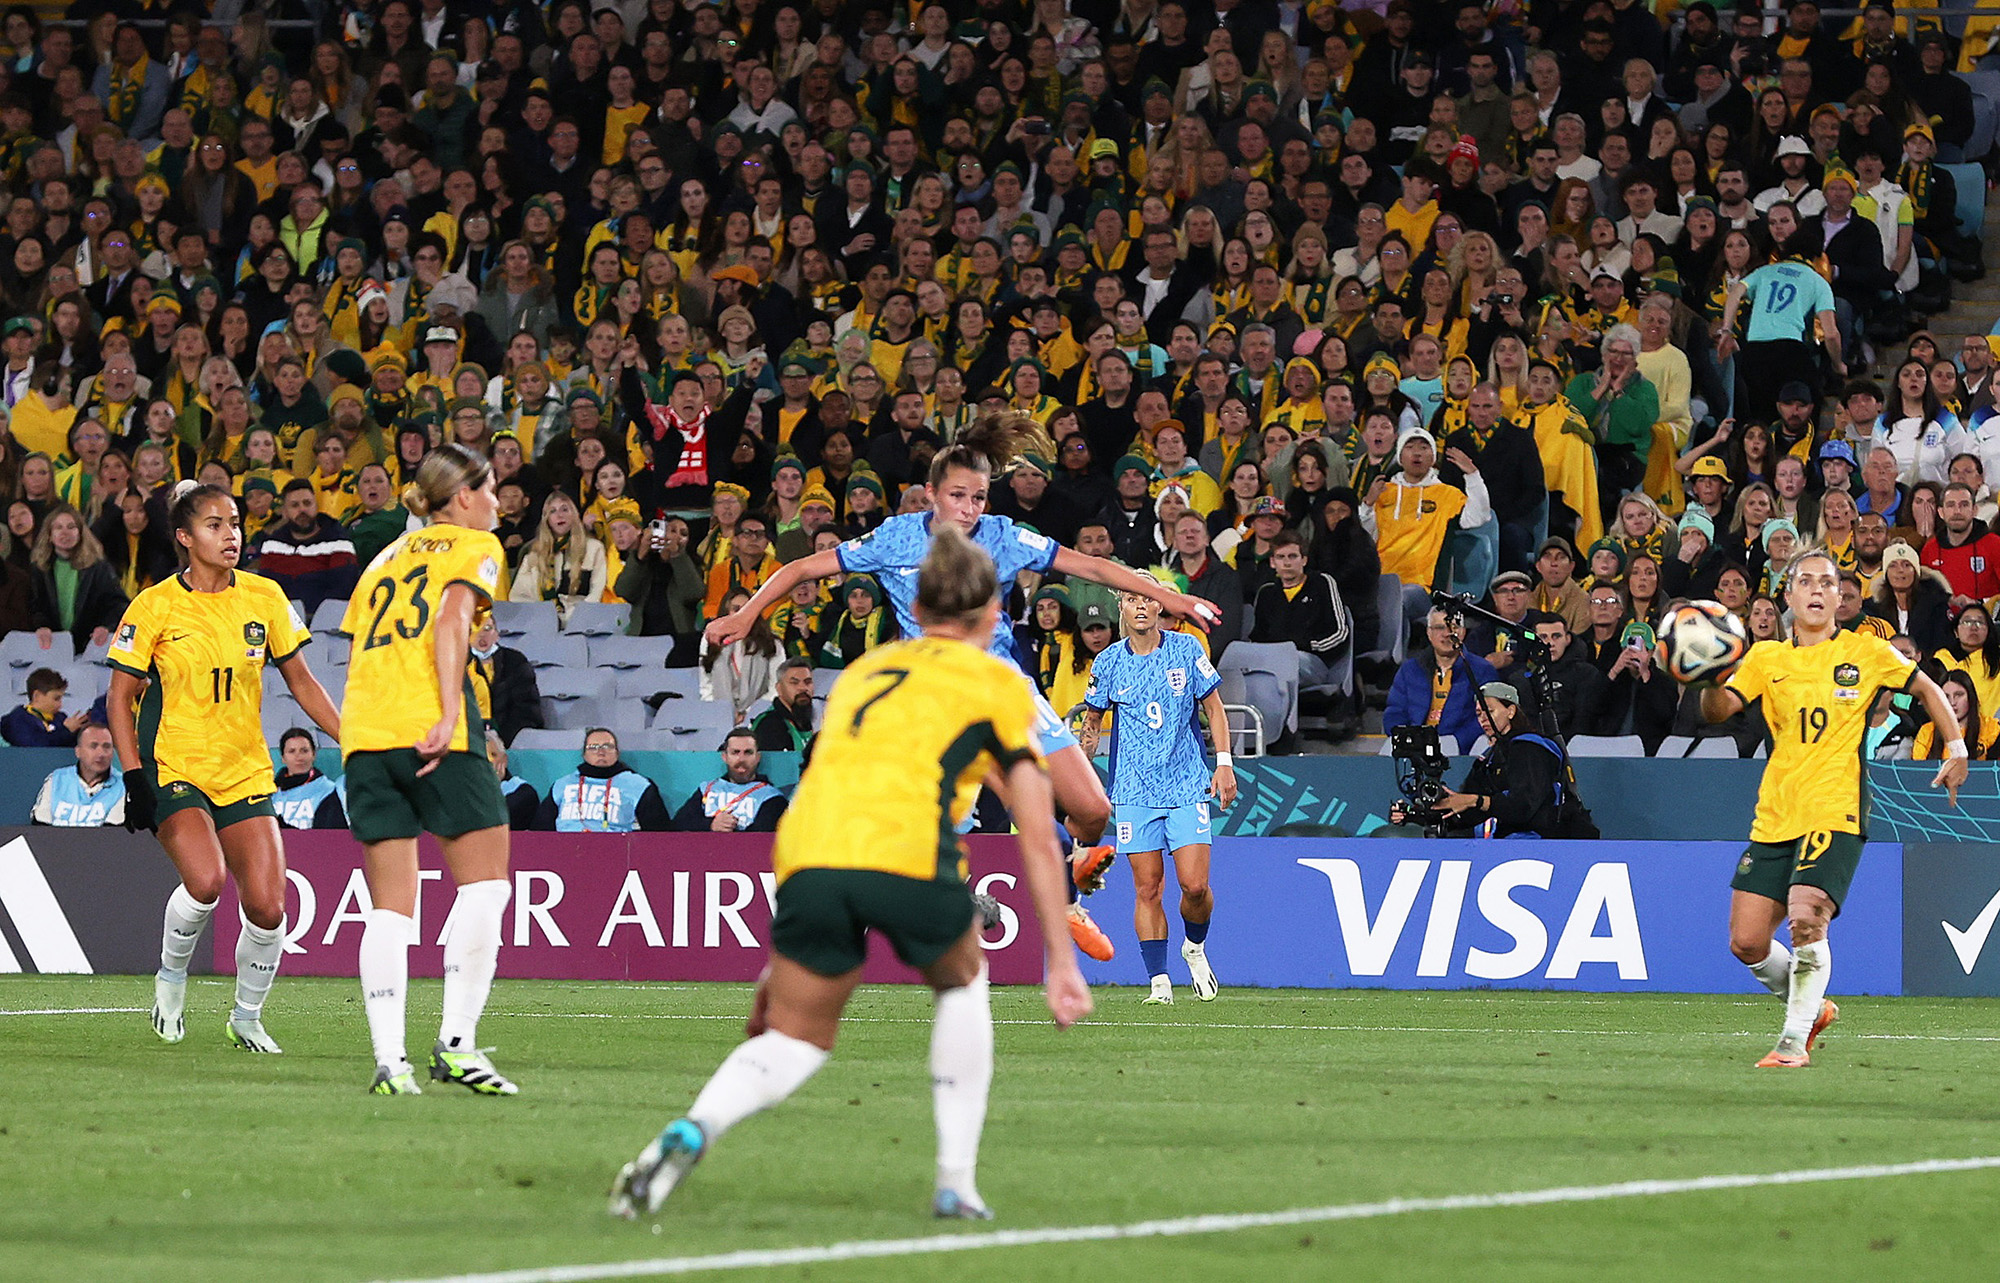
1511 467
1221 585
1316 620
523 803
99 601
1519 776
1855 254
1579 694
517 699
779 730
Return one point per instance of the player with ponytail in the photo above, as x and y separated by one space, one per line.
415 753
960 476
189 657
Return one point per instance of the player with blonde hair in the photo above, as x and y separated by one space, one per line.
911 730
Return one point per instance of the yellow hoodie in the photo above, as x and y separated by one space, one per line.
1410 520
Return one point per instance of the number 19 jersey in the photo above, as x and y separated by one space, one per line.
200 720
1816 701
1157 757
910 731
392 682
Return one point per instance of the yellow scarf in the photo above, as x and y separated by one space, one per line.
126 85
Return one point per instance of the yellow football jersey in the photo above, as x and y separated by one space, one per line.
910 731
1816 701
392 684
200 719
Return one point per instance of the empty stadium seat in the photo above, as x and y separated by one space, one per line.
326 620
644 683
24 652
1449 743
535 737
325 652
1392 635
517 619
621 652
86 683
823 680
280 714
707 716
554 650
560 686
1715 746
1606 746
607 711
95 653
598 618
687 739
1674 746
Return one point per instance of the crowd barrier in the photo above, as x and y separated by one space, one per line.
1632 798
1607 916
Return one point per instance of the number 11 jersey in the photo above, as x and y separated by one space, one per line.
392 681
910 732
201 719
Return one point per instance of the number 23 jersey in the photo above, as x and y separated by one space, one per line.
200 720
1816 701
392 682
910 731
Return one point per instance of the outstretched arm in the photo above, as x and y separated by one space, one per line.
1099 570
734 626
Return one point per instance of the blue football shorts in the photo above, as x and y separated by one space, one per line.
1159 828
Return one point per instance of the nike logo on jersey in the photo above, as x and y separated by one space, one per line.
1971 942
179 637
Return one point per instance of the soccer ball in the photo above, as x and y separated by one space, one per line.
1700 641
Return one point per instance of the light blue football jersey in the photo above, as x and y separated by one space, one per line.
893 550
1158 755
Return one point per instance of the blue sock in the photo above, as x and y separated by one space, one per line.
1197 932
1154 952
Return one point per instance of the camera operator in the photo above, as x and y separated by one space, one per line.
665 588
1517 783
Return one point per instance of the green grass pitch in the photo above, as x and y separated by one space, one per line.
123 1158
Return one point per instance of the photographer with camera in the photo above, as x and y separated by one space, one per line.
665 588
1439 687
1519 783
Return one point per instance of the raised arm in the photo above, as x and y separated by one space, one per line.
1099 570
735 626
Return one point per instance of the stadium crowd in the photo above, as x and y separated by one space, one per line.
1569 304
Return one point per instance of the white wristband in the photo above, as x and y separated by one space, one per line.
1224 759
1955 748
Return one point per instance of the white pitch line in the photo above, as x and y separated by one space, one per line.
1335 1029
1179 1227
1200 1025
80 1011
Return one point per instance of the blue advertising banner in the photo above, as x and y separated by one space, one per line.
1411 914
1951 903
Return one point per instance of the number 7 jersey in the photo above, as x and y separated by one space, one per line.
201 718
910 732
392 681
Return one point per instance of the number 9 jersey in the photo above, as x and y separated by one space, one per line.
392 681
201 718
910 731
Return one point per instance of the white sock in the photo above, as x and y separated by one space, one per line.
1775 971
186 916
1812 967
756 1076
257 954
470 956
385 981
961 1077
